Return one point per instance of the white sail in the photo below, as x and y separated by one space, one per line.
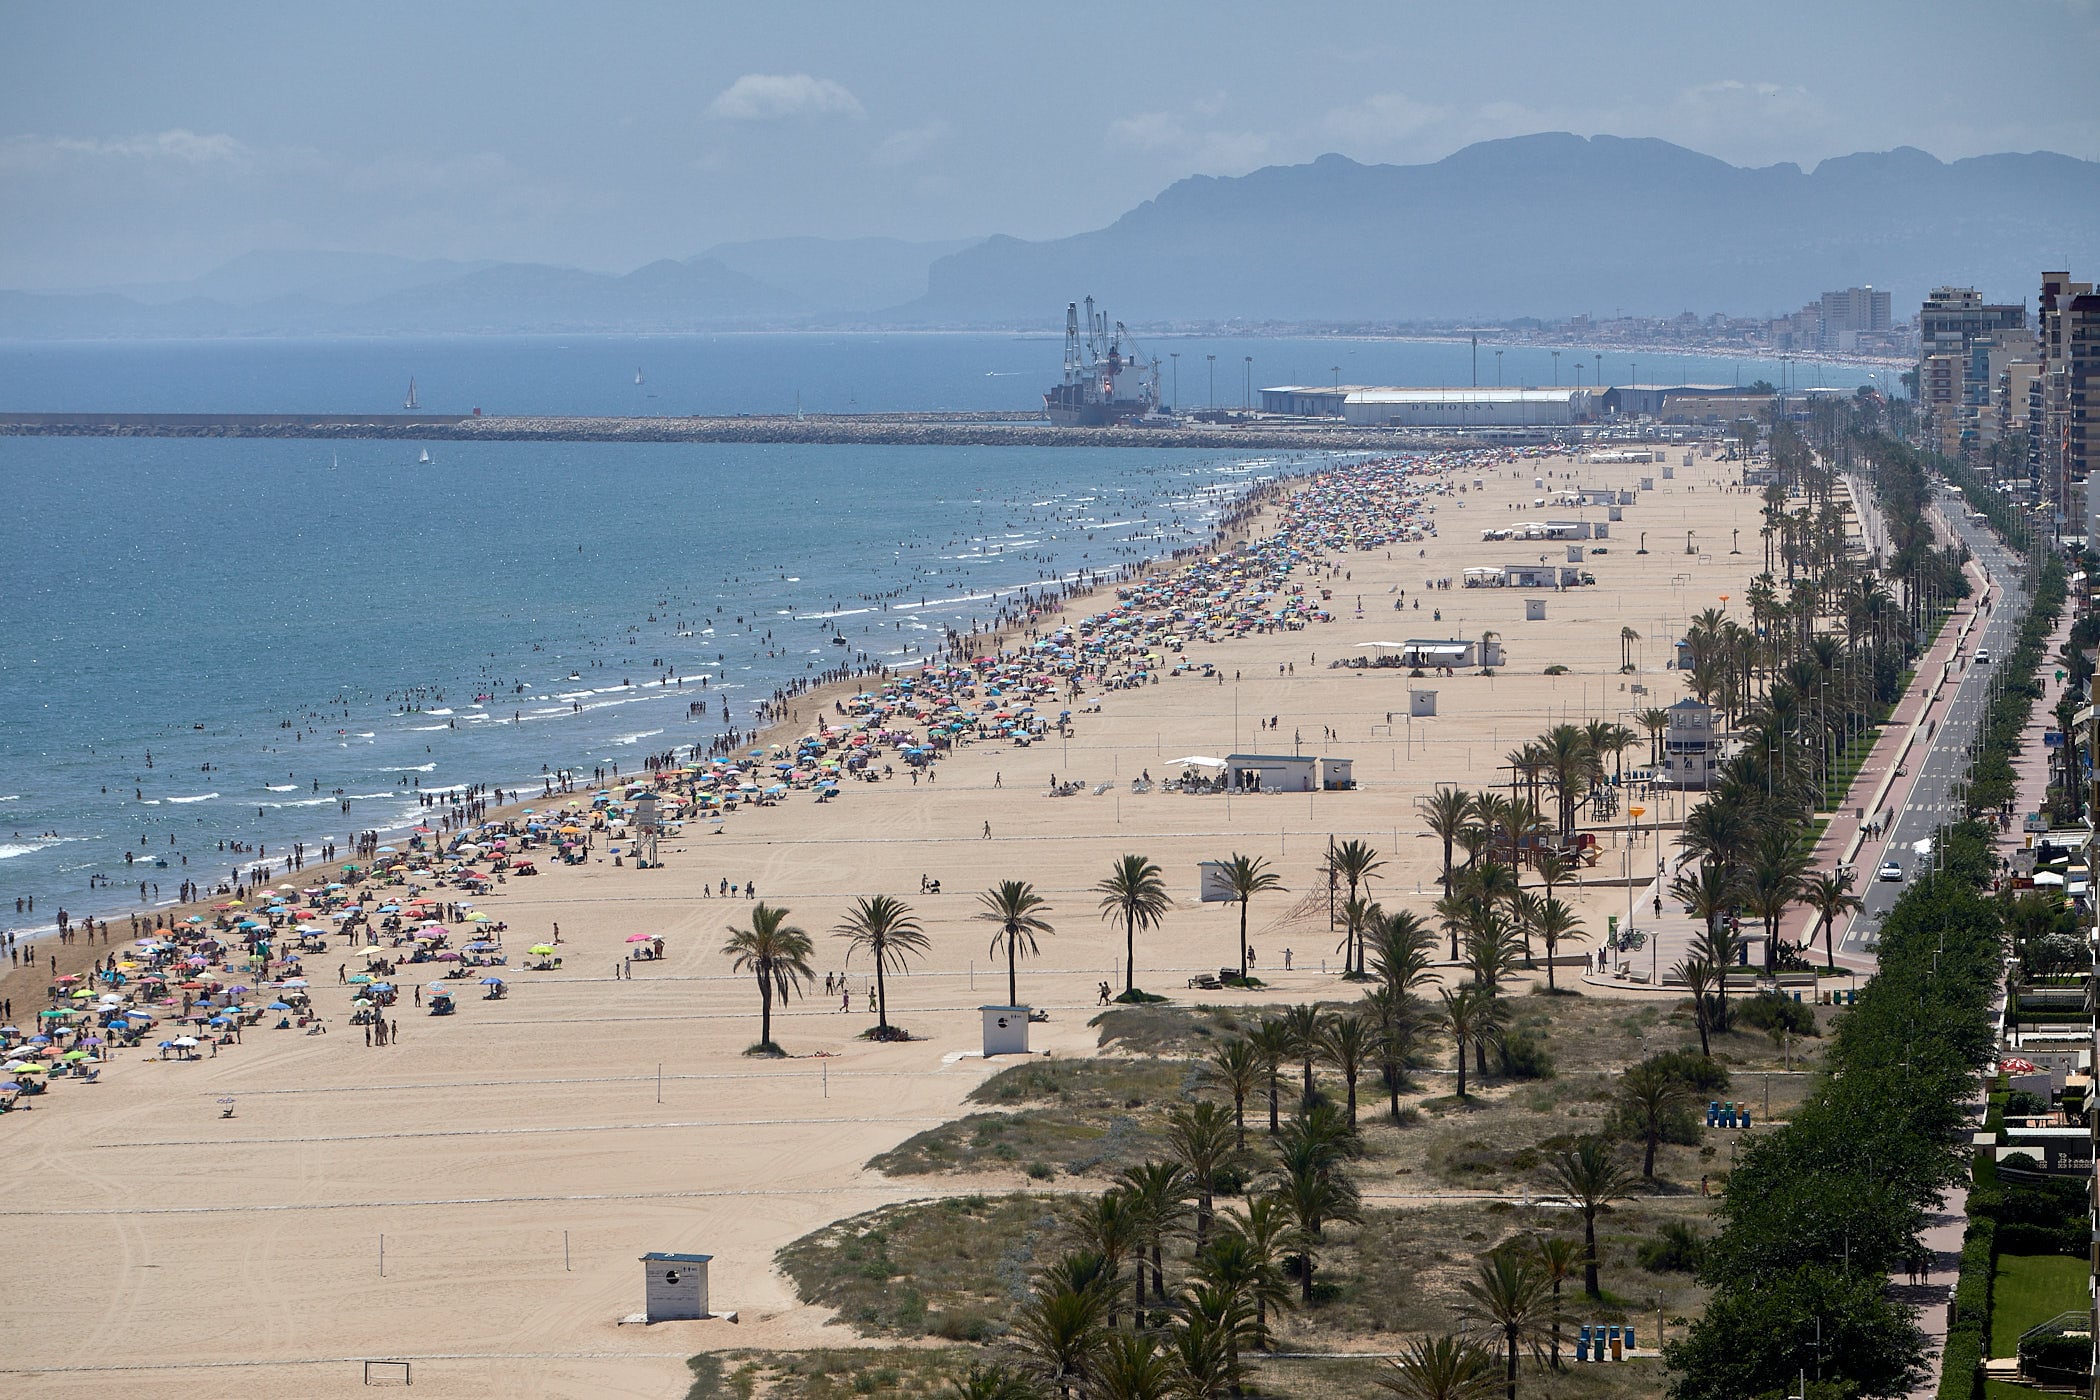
411 404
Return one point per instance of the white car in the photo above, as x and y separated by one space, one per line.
1890 870
1983 656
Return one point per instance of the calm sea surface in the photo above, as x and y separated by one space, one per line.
212 641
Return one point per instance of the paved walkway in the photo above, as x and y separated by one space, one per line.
1877 790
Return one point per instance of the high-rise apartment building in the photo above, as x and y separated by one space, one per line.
1956 325
1851 313
2066 395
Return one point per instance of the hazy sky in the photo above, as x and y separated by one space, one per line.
150 141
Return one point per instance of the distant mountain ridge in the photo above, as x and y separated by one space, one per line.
1547 225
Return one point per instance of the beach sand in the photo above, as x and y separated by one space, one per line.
520 1156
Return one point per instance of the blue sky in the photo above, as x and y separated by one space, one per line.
153 141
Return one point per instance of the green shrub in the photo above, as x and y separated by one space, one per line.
1523 1055
1700 1073
1961 1364
1770 1011
1676 1248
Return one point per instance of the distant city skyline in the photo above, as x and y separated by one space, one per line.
145 143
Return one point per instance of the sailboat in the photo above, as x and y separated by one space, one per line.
411 405
335 461
638 376
424 460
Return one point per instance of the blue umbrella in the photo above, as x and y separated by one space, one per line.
279 1006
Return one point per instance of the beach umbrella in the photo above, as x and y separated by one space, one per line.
278 1006
186 1042
492 981
639 938
541 949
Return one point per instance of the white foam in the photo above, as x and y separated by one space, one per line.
636 738
9 850
426 728
437 712
200 797
284 787
364 796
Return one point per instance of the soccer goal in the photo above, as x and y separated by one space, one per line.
388 1373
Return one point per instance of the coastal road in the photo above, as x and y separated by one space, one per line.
1924 800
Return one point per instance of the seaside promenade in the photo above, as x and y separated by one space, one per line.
475 1196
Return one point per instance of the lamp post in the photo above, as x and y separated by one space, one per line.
1556 369
1498 369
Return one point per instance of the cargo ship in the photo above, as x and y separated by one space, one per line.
1104 382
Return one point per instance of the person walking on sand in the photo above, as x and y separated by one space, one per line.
987 831
845 998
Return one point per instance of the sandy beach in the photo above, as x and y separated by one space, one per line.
518 1157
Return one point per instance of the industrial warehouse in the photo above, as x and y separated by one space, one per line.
1368 406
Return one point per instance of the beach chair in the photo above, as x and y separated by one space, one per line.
89 1076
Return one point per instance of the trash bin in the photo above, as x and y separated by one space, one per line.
1582 1343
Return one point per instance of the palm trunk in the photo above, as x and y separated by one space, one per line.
1159 1273
1243 940
1550 946
765 1011
1509 1345
1305 1100
1589 1260
882 1000
1239 1120
1461 1066
1648 1161
1350 1079
1129 951
1013 977
1275 1093
1556 1325
1306 1259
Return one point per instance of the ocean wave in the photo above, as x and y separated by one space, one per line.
302 802
10 849
12 797
200 797
364 796
635 738
426 728
437 712
284 787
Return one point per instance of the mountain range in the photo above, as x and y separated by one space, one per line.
1548 226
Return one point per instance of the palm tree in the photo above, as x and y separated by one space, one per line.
1223 1313
1202 1138
1136 892
988 1382
1555 923
1718 949
1591 1179
1159 1196
1627 637
1655 721
1236 1265
1510 1296
1246 877
1357 863
1272 1041
1237 1067
1832 898
1397 1021
1347 1042
1699 978
1571 765
1311 1200
884 928
1018 911
777 954
1261 1230
1772 882
1440 1368
1649 1097
1494 946
1129 1366
1304 1023
1448 811
1558 1259
1399 947
1203 1351
1059 1328
1110 1227
1471 1015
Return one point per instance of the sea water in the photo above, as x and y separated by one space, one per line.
776 373
224 640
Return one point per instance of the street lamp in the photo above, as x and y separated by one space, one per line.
1556 369
1498 369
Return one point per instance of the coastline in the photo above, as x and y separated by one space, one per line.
48 958
618 1113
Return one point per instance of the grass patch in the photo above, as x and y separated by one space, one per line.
1082 1116
1153 1029
828 1373
2029 1289
952 1269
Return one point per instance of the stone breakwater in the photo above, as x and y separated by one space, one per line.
905 429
